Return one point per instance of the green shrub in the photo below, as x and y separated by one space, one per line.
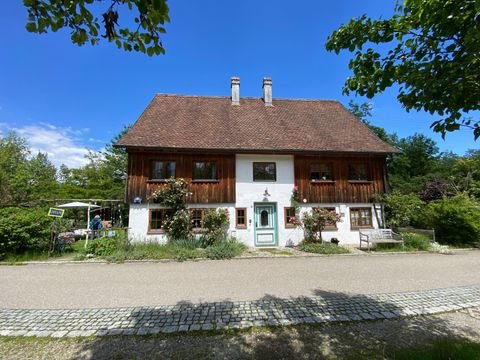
226 249
215 224
322 248
456 220
118 256
182 254
402 210
177 225
414 241
189 244
23 229
105 246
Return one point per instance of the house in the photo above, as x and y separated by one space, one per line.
247 155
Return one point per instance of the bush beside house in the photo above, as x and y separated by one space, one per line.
23 230
456 220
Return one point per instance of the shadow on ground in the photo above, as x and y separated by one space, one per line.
333 340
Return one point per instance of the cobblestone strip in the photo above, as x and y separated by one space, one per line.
233 315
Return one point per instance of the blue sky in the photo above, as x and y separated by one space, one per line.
66 99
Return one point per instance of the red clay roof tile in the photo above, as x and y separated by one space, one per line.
213 123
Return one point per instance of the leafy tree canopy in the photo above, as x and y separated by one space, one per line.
431 50
89 22
363 112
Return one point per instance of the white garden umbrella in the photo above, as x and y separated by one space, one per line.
78 204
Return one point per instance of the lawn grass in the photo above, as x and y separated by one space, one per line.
322 248
441 350
30 255
264 342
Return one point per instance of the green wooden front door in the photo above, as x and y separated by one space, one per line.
265 225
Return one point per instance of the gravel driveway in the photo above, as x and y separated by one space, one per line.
92 285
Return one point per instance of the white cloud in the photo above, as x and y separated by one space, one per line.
62 145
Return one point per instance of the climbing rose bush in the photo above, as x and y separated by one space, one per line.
173 194
314 222
215 225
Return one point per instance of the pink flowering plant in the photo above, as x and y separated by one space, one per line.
215 225
172 194
295 203
295 197
314 223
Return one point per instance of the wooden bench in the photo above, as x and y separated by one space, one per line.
379 236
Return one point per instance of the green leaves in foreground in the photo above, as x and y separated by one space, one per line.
431 49
92 20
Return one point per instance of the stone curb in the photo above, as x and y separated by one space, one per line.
308 255
226 315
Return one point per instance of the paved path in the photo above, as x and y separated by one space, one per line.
234 315
83 285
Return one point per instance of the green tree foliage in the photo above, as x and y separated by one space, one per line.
363 111
456 220
13 156
430 49
403 210
466 173
91 20
23 179
23 229
103 177
409 170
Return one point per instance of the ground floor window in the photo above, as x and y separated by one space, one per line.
196 217
361 217
157 216
241 218
290 218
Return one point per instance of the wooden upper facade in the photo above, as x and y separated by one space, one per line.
319 178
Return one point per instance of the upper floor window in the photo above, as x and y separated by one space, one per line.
361 217
319 172
358 172
205 170
162 170
264 171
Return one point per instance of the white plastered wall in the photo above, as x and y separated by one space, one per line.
249 192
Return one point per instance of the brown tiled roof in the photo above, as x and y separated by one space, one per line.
213 123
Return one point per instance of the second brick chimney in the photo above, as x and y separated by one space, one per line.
267 91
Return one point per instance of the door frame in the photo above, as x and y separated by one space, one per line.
275 223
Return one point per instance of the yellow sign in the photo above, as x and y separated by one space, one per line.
56 212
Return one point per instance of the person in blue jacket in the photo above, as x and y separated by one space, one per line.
96 226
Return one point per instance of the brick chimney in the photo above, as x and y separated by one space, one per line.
267 91
235 90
